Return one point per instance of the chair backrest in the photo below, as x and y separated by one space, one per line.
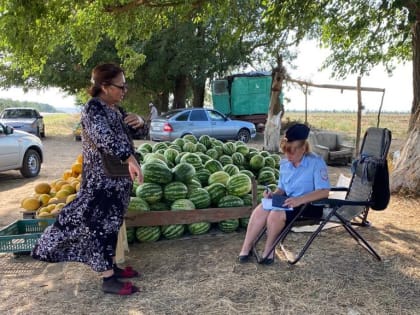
370 179
327 139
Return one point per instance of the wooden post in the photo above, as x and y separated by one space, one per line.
359 115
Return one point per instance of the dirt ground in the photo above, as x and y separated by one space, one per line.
200 275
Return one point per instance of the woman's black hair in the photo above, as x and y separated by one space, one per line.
103 74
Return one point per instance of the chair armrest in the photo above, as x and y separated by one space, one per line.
344 146
322 147
332 203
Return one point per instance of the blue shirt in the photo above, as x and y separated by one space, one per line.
310 175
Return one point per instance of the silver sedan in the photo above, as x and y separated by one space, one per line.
199 121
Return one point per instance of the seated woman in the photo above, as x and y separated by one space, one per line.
303 178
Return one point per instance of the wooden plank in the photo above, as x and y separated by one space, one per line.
151 218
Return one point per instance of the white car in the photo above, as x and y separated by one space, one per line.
21 151
24 119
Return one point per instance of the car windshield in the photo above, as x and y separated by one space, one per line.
19 113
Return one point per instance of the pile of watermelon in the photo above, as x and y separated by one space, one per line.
190 173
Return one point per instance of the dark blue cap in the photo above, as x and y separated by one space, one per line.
297 132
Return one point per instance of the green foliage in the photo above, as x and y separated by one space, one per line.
46 108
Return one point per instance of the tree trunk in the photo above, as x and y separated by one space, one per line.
273 124
405 178
180 91
198 94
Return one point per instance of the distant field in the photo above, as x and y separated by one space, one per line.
346 122
62 124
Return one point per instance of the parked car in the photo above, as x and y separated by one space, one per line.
24 119
199 121
21 151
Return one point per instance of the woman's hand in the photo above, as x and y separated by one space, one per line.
134 169
294 202
134 121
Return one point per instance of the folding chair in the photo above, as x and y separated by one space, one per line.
363 193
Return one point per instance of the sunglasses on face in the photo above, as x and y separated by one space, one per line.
123 87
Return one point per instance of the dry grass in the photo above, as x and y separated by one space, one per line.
200 275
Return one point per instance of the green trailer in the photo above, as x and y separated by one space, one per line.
243 96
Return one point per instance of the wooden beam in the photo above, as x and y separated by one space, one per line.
335 86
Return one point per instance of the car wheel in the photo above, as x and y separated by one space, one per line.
244 135
31 164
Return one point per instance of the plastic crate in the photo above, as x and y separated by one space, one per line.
21 235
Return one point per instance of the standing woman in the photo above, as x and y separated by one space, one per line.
303 179
86 229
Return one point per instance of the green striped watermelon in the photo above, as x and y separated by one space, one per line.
199 147
199 228
150 157
193 159
160 206
231 169
203 176
137 204
145 146
219 177
246 198
179 142
131 234
270 162
239 185
190 138
212 153
238 158
156 173
230 201
175 190
148 233
200 198
151 192
205 140
182 204
266 177
225 159
170 155
256 162
229 148
172 231
193 184
216 192
228 226
213 166
243 149
159 146
243 222
189 147
183 172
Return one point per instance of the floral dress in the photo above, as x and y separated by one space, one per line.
86 229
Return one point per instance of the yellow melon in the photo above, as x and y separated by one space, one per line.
59 206
42 188
31 204
79 158
60 184
70 198
53 201
44 209
67 174
62 194
44 215
76 168
69 188
44 198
